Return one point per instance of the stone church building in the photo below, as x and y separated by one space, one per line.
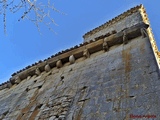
112 75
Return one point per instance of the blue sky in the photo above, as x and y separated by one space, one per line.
23 44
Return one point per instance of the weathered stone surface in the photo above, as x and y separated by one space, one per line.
47 68
37 71
59 64
108 85
71 59
86 53
17 80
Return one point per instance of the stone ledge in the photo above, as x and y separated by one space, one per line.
83 50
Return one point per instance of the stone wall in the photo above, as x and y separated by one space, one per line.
114 77
106 86
117 26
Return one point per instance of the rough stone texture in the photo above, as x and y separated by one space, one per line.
109 84
106 86
127 22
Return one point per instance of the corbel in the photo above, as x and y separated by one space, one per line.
37 71
71 59
125 38
143 32
105 46
12 80
47 68
9 85
17 80
59 64
86 53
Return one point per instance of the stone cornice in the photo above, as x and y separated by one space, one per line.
114 20
71 55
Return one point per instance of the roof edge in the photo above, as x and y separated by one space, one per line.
117 18
150 35
84 50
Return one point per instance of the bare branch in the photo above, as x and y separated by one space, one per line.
41 9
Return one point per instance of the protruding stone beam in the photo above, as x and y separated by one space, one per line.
144 32
71 59
125 38
17 80
86 53
37 71
59 64
9 85
47 68
12 80
105 46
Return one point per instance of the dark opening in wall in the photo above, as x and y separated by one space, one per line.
39 87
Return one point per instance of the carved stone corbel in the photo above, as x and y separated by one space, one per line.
12 80
9 85
86 53
143 32
105 46
37 71
17 80
125 38
59 64
47 68
71 59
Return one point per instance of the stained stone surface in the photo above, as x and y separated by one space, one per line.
106 86
119 25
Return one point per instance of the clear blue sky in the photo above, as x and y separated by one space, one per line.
24 45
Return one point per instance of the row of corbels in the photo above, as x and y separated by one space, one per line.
59 64
17 79
125 41
86 54
47 68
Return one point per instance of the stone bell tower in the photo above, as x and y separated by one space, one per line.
112 75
